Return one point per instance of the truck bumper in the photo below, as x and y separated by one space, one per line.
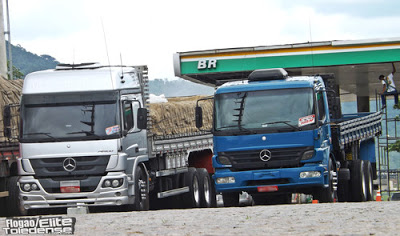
106 196
286 180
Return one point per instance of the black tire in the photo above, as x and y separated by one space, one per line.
214 194
205 186
142 198
358 182
3 205
328 194
369 181
343 190
13 202
192 198
230 199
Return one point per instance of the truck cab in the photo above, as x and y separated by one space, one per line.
272 138
83 137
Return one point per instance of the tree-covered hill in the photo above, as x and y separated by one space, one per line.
28 62
178 87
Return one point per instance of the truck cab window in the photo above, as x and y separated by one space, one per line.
321 106
128 115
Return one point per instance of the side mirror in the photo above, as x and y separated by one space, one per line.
199 117
7 121
142 118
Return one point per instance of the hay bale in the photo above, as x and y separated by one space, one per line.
11 91
177 116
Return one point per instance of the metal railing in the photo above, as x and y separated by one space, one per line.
388 177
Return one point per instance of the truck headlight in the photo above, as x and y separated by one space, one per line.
224 160
310 174
307 155
226 180
27 187
115 183
34 186
107 183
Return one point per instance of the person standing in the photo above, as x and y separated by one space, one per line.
389 88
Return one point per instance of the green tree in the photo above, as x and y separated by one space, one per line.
17 74
395 147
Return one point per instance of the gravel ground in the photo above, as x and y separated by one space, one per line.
371 218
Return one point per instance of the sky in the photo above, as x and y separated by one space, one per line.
149 32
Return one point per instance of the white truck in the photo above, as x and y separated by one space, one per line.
87 139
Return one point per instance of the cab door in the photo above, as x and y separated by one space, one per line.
134 140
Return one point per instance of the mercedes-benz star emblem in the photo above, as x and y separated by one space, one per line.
265 155
69 164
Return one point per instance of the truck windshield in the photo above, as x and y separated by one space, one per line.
266 111
69 117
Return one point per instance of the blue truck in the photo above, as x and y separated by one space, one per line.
275 135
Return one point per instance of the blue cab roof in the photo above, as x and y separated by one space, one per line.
290 82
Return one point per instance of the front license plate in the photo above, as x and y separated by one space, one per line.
73 186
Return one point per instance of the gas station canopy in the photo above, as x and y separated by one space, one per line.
356 64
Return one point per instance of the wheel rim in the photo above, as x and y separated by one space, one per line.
333 181
206 187
363 183
142 191
196 191
332 192
370 184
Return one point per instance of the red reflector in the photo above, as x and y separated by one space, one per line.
70 189
267 188
73 186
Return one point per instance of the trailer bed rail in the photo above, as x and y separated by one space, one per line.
360 126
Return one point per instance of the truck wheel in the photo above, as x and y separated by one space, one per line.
343 190
14 206
369 181
208 197
192 198
358 181
230 199
141 202
3 205
329 194
213 194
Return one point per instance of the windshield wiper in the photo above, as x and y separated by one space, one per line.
88 133
282 122
47 134
241 129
